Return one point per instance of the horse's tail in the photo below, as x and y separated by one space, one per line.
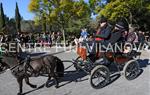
59 68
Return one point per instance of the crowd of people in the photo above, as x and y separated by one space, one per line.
105 33
43 38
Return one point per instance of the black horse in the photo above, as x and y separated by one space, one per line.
25 67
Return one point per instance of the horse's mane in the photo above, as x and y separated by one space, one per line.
14 50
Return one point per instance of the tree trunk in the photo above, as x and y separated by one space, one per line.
131 18
64 38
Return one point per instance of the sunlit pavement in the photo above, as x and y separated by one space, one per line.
121 86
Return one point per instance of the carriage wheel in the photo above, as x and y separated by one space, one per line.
100 76
131 69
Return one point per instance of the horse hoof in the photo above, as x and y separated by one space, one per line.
49 84
76 80
56 86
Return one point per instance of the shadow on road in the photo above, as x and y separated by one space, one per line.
113 78
143 63
140 72
71 76
74 76
40 87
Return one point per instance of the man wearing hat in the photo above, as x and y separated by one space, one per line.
116 34
103 31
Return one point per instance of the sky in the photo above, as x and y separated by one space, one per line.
10 5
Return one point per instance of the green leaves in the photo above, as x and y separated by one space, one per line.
128 9
60 11
34 5
63 12
18 19
2 19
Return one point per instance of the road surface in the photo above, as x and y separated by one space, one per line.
69 86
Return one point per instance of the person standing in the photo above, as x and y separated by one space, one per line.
84 34
141 37
58 39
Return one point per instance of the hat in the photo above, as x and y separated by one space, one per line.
122 25
103 19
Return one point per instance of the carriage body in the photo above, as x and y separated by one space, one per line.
118 58
129 65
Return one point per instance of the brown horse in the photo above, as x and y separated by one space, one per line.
30 67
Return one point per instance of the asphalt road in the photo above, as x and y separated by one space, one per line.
69 86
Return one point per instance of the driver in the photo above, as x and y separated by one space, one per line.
103 33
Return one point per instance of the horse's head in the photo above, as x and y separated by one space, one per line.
10 59
9 53
11 48
13 60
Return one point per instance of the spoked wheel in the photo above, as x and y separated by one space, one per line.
78 63
100 76
85 66
131 70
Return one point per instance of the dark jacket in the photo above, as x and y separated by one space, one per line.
105 32
141 38
114 37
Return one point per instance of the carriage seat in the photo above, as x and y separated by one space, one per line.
132 54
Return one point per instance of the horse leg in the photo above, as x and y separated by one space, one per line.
28 82
20 82
56 82
48 81
49 78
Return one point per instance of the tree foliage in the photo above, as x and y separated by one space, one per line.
97 5
18 19
134 11
43 23
2 19
60 13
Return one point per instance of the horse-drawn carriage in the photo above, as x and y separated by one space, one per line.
100 69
